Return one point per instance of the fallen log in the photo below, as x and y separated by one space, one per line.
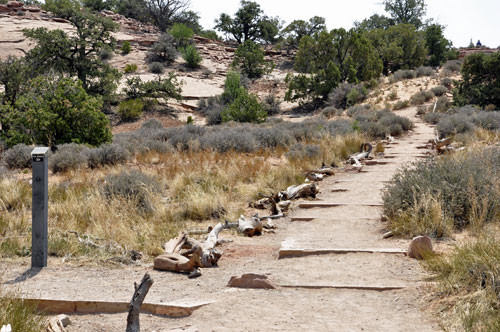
136 303
304 190
324 170
251 226
355 159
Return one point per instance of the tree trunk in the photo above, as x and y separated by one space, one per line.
135 304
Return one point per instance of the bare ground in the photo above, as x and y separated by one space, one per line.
284 309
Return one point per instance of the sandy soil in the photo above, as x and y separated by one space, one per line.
283 309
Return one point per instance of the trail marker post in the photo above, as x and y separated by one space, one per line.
40 211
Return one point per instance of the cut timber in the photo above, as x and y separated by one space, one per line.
376 162
301 219
251 226
287 252
339 190
310 205
173 309
355 287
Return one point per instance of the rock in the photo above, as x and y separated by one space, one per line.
59 20
419 247
388 235
146 43
5 9
251 280
33 9
14 4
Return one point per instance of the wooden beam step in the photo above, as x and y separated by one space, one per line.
301 252
173 309
310 205
339 190
362 181
354 287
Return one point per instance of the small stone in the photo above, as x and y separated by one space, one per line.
251 280
59 20
64 319
384 219
420 246
388 235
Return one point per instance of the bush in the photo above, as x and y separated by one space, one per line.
401 75
245 108
182 35
453 66
156 67
166 88
249 59
192 57
130 68
106 54
421 97
107 154
443 104
393 95
56 110
18 157
454 124
421 110
130 110
232 88
163 50
272 104
300 151
358 109
447 82
126 48
439 90
21 315
382 123
424 71
433 117
400 104
459 188
229 140
68 157
347 94
134 186
331 111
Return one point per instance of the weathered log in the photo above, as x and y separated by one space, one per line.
275 209
251 226
209 254
304 190
136 303
284 205
355 159
324 170
314 177
261 204
174 245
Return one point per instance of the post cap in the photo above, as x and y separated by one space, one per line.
39 151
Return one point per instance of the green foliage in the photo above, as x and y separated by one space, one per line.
192 57
130 68
400 47
130 110
249 58
164 13
126 48
55 110
232 87
107 154
13 74
438 46
16 312
210 34
62 8
156 67
18 157
163 50
68 157
181 34
77 54
165 88
294 31
480 84
99 5
245 108
374 22
406 11
135 9
248 23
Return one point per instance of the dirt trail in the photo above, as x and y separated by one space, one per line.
353 226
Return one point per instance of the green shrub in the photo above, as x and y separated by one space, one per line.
126 47
421 97
453 66
156 67
245 108
192 57
163 50
18 157
166 88
401 75
68 157
382 123
182 35
433 117
454 124
130 68
447 82
347 94
106 53
56 110
19 314
130 110
300 151
331 111
249 59
232 87
424 71
272 104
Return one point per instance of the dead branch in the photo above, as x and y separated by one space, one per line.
136 303
355 159
251 226
304 190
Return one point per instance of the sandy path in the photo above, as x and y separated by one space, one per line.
285 309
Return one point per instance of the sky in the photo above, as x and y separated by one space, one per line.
464 19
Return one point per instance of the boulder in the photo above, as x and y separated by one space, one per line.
14 4
251 280
33 9
5 9
419 247
59 20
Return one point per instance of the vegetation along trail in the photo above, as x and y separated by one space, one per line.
344 289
